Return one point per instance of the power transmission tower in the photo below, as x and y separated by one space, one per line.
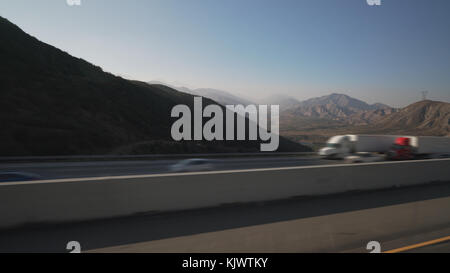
424 95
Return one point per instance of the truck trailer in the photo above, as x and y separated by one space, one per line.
339 147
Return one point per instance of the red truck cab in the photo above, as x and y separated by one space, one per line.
402 149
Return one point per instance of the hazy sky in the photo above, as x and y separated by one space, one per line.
255 48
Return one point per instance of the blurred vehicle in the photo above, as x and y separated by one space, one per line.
402 149
407 148
364 158
18 177
339 147
193 165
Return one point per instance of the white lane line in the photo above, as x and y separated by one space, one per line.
85 179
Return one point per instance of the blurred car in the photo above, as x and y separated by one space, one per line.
18 177
364 158
193 165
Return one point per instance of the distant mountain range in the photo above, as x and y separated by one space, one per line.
334 108
424 118
337 112
285 102
222 97
339 108
54 104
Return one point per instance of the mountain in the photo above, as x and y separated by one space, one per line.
381 106
424 118
285 102
421 118
339 100
339 108
222 97
54 104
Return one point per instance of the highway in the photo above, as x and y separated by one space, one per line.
396 218
435 248
58 170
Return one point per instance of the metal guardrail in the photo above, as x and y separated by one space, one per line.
142 157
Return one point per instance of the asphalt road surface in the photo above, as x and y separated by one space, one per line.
57 170
339 223
435 248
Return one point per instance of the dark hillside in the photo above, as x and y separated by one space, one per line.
54 104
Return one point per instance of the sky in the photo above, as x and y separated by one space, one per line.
257 48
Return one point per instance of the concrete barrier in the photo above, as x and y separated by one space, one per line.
95 198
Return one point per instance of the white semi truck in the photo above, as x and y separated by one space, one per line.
396 147
338 147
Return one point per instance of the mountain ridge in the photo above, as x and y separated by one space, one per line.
340 108
52 103
220 96
422 118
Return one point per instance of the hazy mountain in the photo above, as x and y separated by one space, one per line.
180 89
379 106
285 102
339 100
54 104
340 108
220 96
